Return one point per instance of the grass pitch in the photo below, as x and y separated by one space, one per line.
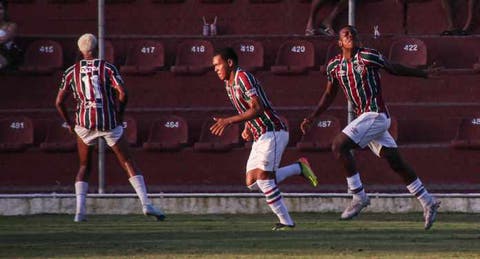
240 236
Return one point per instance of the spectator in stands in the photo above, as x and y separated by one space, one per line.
356 71
448 7
326 27
264 126
94 84
9 51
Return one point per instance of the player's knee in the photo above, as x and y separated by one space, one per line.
339 148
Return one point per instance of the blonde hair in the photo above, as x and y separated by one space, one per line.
87 42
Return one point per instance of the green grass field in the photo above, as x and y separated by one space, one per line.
240 236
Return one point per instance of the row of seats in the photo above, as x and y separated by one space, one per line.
193 57
171 133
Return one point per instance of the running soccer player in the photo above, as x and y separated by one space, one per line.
264 127
356 71
95 84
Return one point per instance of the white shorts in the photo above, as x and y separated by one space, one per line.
371 128
267 151
89 136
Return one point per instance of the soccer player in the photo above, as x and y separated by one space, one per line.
95 84
356 71
264 127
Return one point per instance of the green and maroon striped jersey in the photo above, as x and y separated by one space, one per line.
246 86
359 78
93 83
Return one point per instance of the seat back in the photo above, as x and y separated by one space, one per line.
250 54
170 129
409 52
321 135
16 133
210 142
468 134
130 130
299 53
193 57
58 138
43 56
146 55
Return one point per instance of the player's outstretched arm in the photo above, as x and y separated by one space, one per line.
401 70
326 100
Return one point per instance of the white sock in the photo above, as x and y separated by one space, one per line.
416 188
138 184
81 189
275 200
287 171
355 186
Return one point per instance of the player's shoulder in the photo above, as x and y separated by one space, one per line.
334 62
69 70
245 76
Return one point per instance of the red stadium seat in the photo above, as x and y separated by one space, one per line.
130 130
409 52
145 57
194 57
294 57
42 57
250 54
58 138
169 133
16 134
211 143
468 134
321 135
168 1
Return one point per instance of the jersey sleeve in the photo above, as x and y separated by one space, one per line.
67 79
331 77
248 85
114 76
372 57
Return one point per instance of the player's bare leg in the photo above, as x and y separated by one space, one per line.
81 179
136 179
414 185
267 184
341 147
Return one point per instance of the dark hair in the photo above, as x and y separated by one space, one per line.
351 28
226 54
5 9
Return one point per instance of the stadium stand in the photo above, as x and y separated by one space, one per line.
294 57
131 131
143 58
194 57
468 134
169 133
16 134
42 57
211 143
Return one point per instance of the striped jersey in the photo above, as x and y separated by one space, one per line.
246 86
359 78
93 83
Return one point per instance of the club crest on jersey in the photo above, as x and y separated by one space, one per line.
358 68
341 72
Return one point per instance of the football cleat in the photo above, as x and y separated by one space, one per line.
307 171
283 227
150 210
356 205
80 218
430 213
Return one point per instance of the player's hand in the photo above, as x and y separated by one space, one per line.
219 126
247 134
306 125
69 127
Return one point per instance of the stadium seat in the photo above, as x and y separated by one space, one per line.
332 51
42 57
216 1
409 52
16 134
468 134
58 138
169 133
250 54
194 57
130 130
211 143
168 1
294 57
65 1
145 57
321 135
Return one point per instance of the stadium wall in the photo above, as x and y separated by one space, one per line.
228 203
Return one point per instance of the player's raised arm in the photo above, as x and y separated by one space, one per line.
401 70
